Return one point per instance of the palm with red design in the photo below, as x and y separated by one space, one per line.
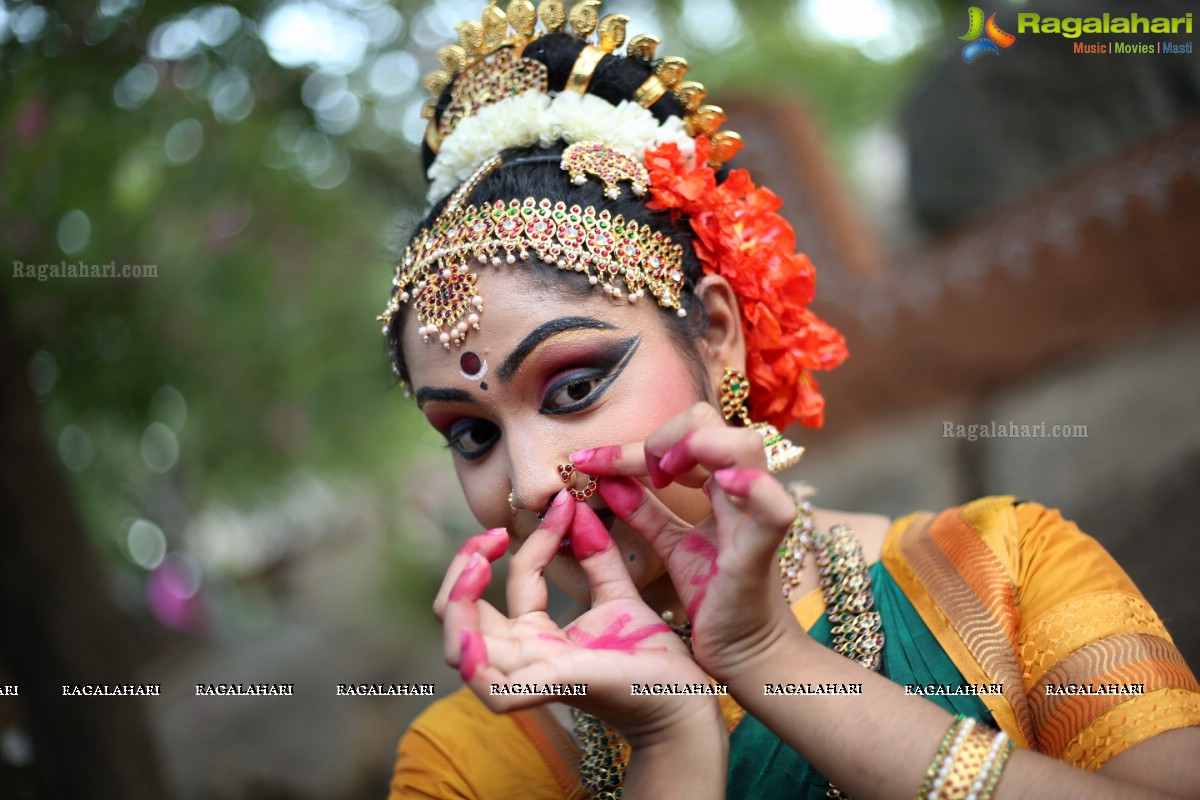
617 643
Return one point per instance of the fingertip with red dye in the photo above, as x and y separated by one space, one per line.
560 512
623 495
596 458
476 575
659 478
678 459
473 654
588 534
491 543
737 482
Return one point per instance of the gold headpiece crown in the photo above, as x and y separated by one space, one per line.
477 79
625 258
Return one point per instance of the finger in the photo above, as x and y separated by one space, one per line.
600 558
462 606
640 460
489 683
637 507
617 459
513 645
694 590
473 653
693 458
491 545
755 494
658 444
526 585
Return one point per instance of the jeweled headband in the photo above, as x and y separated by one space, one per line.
499 101
625 258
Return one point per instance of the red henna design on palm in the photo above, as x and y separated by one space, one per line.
611 637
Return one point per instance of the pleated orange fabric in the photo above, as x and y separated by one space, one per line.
1018 595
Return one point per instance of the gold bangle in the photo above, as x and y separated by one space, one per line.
1003 747
972 768
945 770
650 91
585 65
936 764
966 764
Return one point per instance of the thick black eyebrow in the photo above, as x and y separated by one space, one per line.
426 394
544 331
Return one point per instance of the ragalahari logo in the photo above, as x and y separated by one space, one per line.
991 43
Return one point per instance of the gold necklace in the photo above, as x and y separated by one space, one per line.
603 756
849 605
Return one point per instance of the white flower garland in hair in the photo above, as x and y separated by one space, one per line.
536 117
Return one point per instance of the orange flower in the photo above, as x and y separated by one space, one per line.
740 236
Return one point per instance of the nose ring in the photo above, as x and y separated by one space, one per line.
567 472
510 502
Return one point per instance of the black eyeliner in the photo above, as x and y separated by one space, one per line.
628 348
482 451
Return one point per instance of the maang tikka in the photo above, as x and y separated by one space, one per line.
623 257
487 77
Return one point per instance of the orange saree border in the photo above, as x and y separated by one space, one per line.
968 599
973 571
554 745
1156 712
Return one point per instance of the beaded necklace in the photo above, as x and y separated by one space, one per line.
849 606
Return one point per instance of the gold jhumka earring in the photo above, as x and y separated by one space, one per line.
782 452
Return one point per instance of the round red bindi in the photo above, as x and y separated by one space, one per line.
470 363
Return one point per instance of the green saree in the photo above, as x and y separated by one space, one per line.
762 766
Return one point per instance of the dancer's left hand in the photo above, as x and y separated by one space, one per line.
724 569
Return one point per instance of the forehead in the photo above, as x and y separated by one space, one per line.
516 302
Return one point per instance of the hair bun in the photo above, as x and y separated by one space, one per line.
573 61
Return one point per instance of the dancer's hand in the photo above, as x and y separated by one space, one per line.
617 643
724 569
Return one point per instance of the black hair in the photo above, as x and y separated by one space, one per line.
535 172
614 79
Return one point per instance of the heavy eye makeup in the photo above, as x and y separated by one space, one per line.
472 438
576 378
583 381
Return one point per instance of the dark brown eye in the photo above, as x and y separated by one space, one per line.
472 438
579 389
574 390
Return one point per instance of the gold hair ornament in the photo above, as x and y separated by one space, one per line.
489 81
477 78
592 158
626 259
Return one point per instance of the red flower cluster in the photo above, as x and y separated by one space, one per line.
741 238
